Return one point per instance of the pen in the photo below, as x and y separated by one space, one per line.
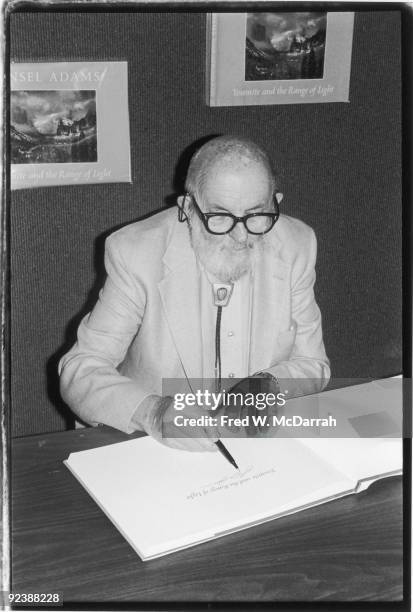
224 451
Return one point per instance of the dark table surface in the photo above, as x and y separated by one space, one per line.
346 550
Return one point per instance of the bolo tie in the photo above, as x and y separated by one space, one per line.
222 295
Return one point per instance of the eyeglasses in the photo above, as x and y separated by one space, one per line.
223 223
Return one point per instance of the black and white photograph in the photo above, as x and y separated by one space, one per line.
53 127
205 382
281 46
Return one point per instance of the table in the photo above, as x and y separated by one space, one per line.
346 550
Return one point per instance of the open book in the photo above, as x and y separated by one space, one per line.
163 500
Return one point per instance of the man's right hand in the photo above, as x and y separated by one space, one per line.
159 422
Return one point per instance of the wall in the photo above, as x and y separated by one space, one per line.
340 169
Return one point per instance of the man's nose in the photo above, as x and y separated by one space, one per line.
239 233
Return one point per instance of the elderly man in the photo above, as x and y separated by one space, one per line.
222 285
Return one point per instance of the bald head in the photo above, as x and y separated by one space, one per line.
229 153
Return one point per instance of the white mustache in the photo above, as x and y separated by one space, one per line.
226 259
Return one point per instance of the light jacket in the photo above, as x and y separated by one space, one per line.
146 324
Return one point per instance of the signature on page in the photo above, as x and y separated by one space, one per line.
237 475
236 480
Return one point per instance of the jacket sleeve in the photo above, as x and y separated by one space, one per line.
307 369
89 379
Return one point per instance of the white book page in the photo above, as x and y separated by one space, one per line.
367 444
163 499
360 458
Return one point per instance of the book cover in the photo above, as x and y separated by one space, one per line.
69 124
278 58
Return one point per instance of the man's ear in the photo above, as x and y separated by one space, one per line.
279 197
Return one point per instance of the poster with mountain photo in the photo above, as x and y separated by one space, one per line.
278 58
62 123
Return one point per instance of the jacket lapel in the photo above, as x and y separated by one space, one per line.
179 290
268 305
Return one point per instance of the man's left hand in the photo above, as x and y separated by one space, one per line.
258 386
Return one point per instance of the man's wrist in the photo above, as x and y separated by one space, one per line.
270 377
144 414
148 416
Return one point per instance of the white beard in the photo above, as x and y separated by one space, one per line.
219 255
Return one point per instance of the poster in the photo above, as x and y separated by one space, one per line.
69 123
278 58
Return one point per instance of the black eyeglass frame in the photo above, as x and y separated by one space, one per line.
205 216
